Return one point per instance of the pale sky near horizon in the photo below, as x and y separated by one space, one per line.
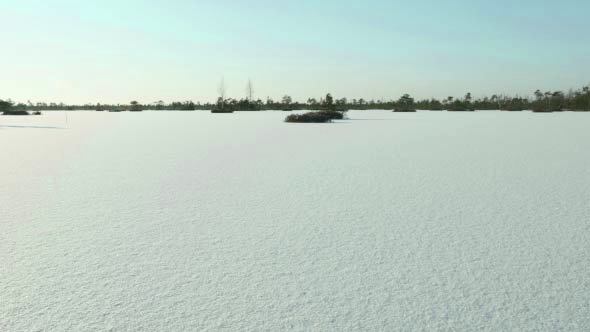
116 51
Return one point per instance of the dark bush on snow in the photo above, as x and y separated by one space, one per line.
315 117
15 112
460 109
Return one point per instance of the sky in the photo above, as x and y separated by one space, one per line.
116 51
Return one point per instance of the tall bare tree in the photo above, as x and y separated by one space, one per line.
249 90
222 90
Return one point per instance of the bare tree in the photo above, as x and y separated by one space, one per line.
222 89
249 90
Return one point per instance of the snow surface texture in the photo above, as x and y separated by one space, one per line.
196 221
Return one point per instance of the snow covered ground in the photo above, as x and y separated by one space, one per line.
196 221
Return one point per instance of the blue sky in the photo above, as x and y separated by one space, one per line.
117 51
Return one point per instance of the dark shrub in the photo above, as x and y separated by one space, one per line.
37 113
405 104
315 117
311 117
460 109
135 107
6 108
334 115
178 106
15 112
244 105
224 106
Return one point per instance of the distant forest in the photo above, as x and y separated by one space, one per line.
575 100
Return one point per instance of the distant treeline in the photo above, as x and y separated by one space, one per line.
578 100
